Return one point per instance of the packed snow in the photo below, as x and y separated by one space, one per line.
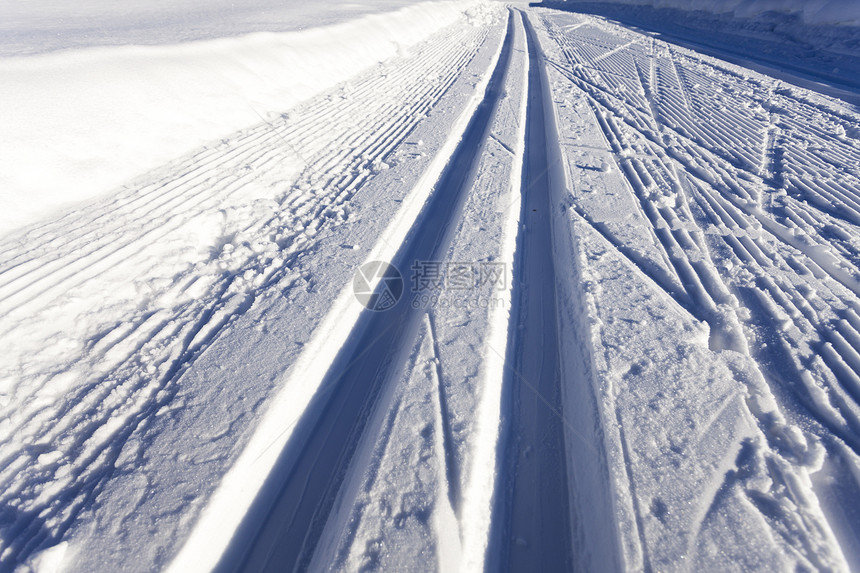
67 116
448 285
841 12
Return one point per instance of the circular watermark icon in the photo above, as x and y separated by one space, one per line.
377 285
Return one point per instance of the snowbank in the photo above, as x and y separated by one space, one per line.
78 124
41 26
810 11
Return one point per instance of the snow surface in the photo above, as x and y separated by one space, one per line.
38 26
821 57
666 375
844 12
67 116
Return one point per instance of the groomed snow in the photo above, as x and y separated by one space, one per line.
81 123
629 330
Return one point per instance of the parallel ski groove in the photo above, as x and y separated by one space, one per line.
287 537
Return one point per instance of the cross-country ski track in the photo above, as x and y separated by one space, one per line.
626 334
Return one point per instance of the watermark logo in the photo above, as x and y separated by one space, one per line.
377 285
429 276
460 284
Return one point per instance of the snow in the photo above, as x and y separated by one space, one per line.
843 12
39 26
466 413
173 98
653 394
662 374
232 499
820 57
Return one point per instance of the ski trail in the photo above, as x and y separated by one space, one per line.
655 366
182 255
537 530
337 417
311 351
743 240
691 157
464 415
373 524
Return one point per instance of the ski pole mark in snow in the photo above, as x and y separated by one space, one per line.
450 465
